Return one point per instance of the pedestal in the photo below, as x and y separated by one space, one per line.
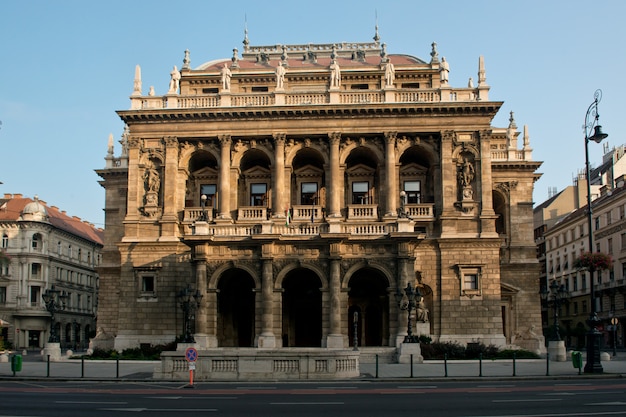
556 349
267 341
53 350
406 350
334 341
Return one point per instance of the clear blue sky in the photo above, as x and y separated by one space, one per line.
66 66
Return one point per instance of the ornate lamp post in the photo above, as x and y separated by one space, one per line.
189 301
55 300
203 216
592 125
555 296
413 296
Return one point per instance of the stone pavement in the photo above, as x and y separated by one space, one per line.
33 367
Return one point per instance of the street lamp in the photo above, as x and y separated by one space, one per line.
203 215
413 296
555 296
189 301
55 300
593 364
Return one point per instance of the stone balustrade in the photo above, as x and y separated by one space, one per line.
304 98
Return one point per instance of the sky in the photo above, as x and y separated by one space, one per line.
67 66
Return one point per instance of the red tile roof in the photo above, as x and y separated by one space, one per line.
11 207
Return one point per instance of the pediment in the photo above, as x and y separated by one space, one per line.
413 170
309 171
257 172
205 172
360 170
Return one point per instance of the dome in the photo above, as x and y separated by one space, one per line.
35 211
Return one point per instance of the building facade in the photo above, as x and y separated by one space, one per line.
564 242
45 249
561 235
296 185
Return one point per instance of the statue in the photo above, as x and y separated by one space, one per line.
466 176
444 70
175 80
226 74
335 75
280 76
390 74
421 312
153 181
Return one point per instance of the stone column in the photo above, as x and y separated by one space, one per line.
335 188
169 229
487 214
267 339
279 175
335 337
202 335
224 182
390 171
403 315
135 183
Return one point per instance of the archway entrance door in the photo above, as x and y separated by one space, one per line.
370 298
302 309
235 309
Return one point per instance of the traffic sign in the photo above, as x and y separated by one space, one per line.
614 321
191 354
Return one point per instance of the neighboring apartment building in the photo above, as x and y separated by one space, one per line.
296 185
561 234
567 240
46 248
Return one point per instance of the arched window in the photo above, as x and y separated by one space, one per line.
5 241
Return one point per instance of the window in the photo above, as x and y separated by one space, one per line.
79 254
621 212
35 295
257 194
584 306
360 191
308 193
5 241
413 192
209 190
3 295
36 242
575 308
59 250
609 218
610 245
69 251
623 241
597 223
147 284
470 280
35 271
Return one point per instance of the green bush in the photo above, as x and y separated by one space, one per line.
519 354
453 350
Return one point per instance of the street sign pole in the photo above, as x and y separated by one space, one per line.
191 354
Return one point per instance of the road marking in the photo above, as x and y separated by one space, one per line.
91 402
140 410
309 403
609 403
525 401
600 413
255 388
336 387
494 386
417 387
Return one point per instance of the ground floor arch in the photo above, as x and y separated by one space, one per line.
302 309
236 309
369 298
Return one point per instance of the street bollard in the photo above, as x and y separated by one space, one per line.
377 365
48 367
82 367
411 365
117 367
480 364
548 364
445 364
514 364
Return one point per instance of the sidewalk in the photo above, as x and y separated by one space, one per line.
33 367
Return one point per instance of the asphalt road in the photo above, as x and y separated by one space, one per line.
476 398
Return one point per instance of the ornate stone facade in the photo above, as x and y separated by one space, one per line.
298 184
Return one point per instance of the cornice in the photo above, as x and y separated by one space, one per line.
320 111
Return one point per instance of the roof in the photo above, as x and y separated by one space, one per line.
12 206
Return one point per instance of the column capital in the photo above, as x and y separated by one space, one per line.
170 141
334 137
225 140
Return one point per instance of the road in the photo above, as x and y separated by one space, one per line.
476 398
